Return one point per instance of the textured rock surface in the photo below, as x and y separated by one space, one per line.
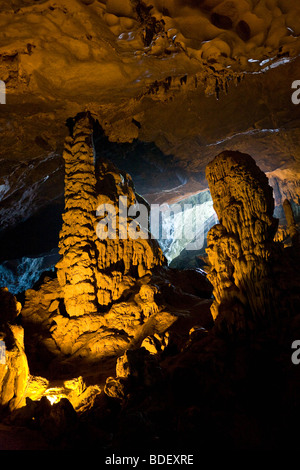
76 269
87 337
241 248
149 311
9 307
254 278
97 47
154 369
94 272
14 371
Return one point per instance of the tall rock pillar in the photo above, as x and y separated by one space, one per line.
96 270
76 269
240 248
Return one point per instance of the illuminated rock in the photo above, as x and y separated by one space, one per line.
81 396
52 334
76 269
115 387
102 297
156 343
36 387
14 372
95 270
135 368
241 249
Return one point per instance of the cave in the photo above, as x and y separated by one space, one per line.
150 227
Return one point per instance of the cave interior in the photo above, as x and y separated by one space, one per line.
174 327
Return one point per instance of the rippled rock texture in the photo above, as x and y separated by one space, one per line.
95 271
14 371
241 250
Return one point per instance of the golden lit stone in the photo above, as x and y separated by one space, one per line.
240 248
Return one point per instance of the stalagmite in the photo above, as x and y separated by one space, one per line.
241 248
291 224
94 270
76 269
102 296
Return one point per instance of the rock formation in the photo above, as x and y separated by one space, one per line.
136 368
76 270
291 224
145 364
14 371
102 300
121 348
240 248
94 270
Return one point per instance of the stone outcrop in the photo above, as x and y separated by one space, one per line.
240 248
51 334
9 307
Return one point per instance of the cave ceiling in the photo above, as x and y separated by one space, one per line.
171 82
